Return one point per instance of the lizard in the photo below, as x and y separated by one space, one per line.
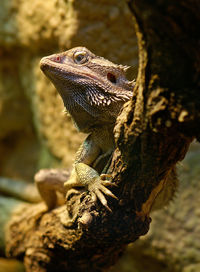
93 90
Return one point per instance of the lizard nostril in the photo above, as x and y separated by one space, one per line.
111 78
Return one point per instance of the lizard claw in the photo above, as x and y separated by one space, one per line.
95 184
98 189
105 181
98 194
105 176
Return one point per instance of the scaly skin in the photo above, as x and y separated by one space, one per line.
93 90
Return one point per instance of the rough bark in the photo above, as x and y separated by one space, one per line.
153 132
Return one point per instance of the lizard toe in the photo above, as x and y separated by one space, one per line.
107 191
108 183
102 199
105 176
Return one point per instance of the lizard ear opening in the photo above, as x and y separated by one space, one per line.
111 78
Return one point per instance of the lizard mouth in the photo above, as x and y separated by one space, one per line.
50 67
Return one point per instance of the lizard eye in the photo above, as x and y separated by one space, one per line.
111 78
80 57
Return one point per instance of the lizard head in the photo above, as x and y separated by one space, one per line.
93 89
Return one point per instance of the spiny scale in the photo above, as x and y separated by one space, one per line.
88 83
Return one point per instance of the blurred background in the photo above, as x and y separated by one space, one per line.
35 133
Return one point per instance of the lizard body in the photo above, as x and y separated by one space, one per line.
93 91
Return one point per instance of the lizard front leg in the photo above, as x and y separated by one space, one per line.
95 183
84 175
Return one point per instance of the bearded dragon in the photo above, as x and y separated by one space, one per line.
93 91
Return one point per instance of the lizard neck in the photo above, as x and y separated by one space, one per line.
103 136
87 123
